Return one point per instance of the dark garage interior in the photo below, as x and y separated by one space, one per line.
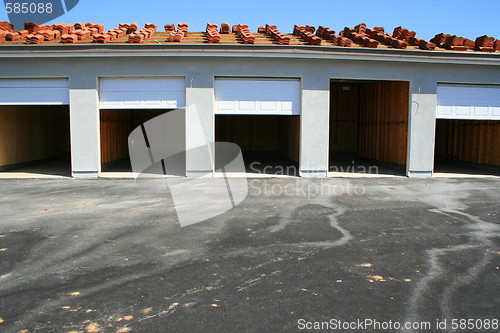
467 146
115 127
35 139
270 144
369 126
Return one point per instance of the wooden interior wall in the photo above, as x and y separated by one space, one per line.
31 133
292 143
344 121
471 141
115 127
383 121
260 133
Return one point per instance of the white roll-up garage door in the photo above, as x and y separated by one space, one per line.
142 93
44 91
468 102
257 96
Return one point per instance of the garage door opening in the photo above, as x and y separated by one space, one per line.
368 127
115 128
269 144
467 147
34 141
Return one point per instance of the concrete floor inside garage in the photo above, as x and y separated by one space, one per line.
368 128
34 141
269 144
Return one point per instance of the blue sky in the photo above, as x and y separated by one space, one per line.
427 17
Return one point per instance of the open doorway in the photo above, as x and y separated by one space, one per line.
115 128
269 144
467 147
35 141
368 127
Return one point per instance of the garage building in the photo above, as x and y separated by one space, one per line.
305 105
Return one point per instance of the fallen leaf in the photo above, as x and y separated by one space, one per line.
209 288
377 278
407 280
124 330
497 252
175 304
22 331
76 293
147 310
93 328
214 305
118 319
1 320
3 250
339 281
2 236
365 265
65 307
89 310
128 318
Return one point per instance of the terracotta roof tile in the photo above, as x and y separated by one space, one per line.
359 36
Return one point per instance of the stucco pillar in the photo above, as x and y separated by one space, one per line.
422 128
84 127
314 127
199 127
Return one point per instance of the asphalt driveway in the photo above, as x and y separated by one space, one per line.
110 256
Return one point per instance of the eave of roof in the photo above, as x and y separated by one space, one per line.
240 50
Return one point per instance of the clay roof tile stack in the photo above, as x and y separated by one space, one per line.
361 35
6 26
184 28
63 28
106 37
132 27
329 34
244 33
16 35
276 35
95 28
169 27
177 36
69 38
486 44
307 34
212 33
34 39
147 32
225 28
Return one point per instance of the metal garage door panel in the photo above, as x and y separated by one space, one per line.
142 93
257 96
34 91
468 102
